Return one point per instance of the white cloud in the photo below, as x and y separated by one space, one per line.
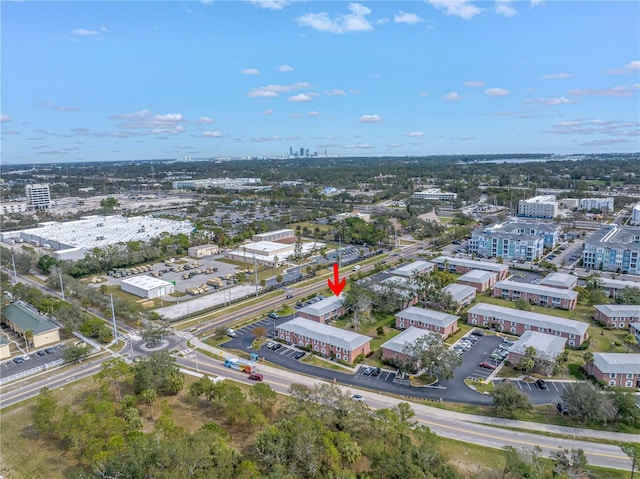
83 32
53 106
474 84
370 118
552 101
631 67
596 126
535 3
301 97
504 8
5 118
620 90
355 21
408 18
335 92
262 139
364 146
268 112
603 142
250 71
313 113
452 96
496 92
271 91
269 4
556 76
204 120
285 68
457 8
211 134
423 93
415 134
143 123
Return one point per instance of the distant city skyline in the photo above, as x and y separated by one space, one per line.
118 81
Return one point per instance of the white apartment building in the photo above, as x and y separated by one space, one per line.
38 197
635 215
538 207
13 207
600 204
434 194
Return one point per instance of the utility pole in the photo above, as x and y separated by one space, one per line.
61 285
113 317
15 275
255 272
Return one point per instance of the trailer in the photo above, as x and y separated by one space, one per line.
243 365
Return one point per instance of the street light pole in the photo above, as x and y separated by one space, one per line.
197 366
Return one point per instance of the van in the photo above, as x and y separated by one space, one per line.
256 377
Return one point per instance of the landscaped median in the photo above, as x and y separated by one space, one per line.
479 386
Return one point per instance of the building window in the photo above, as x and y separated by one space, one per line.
401 325
572 342
612 382
338 356
622 325
612 375
474 321
628 384
629 376
315 348
289 339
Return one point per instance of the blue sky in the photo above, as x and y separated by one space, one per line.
100 81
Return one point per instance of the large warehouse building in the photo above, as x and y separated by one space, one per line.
147 286
71 240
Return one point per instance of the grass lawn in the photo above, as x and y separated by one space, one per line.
321 363
479 385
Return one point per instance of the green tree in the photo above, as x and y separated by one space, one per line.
587 357
522 304
430 352
158 371
109 203
112 371
76 353
264 395
628 295
528 361
149 396
571 463
585 402
526 463
625 406
632 450
45 414
508 400
629 339
45 262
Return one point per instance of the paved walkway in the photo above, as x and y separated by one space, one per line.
444 413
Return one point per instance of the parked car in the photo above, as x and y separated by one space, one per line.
496 357
41 353
367 372
18 360
231 333
357 397
541 384
273 315
563 409
49 351
487 365
477 332
375 372
256 377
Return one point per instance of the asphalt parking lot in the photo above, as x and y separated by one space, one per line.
9 367
551 395
471 359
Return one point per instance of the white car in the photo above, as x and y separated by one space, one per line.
357 397
231 333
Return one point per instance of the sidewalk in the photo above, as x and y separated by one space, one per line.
444 413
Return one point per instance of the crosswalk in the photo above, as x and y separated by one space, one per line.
184 334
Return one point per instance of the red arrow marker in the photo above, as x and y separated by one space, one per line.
338 284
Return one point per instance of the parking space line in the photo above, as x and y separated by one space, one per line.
563 386
554 385
529 385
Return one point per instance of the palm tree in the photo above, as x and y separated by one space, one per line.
629 339
28 338
587 357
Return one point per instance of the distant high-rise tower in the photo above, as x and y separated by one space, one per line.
301 151
307 153
291 151
38 197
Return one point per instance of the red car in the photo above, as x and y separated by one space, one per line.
487 365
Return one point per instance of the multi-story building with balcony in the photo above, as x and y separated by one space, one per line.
613 248
538 207
514 240
38 197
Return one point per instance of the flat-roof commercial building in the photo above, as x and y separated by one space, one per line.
599 204
559 280
514 240
515 321
535 294
11 207
325 310
412 269
616 369
427 319
394 349
5 350
283 234
203 250
224 183
327 340
38 197
435 194
270 253
147 286
462 266
547 347
613 248
544 206
480 280
71 240
619 316
21 319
